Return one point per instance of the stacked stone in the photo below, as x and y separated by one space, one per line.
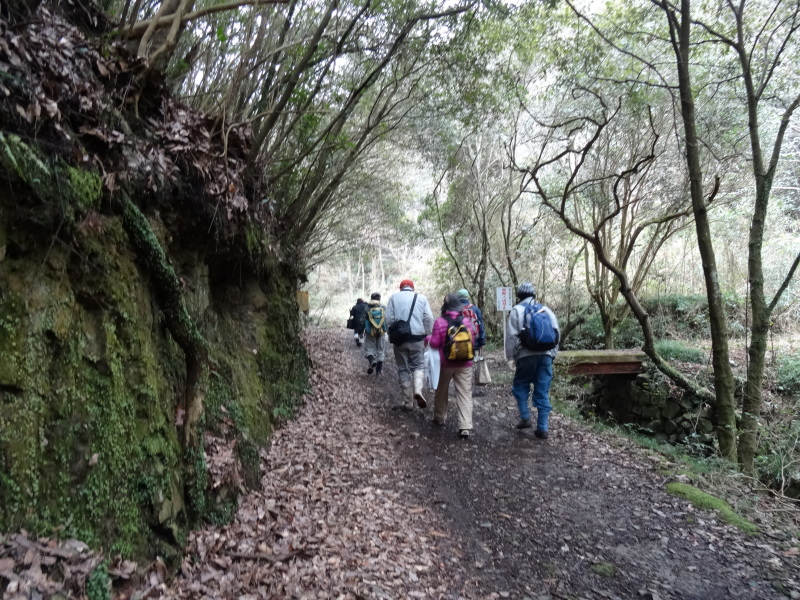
647 401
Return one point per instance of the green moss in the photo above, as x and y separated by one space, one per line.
90 379
22 161
701 499
282 360
73 190
168 286
86 187
89 440
12 339
604 569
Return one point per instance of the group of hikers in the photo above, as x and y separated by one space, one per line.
459 335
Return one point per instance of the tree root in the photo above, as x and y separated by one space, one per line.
178 320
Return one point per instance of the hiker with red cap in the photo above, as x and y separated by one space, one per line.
409 319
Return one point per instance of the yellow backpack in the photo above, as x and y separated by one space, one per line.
458 346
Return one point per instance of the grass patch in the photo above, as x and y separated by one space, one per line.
674 350
700 499
604 569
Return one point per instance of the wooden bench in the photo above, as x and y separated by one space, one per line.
601 362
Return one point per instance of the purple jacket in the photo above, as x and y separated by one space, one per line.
439 336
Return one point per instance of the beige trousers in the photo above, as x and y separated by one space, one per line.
462 380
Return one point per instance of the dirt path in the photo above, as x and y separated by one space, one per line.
362 500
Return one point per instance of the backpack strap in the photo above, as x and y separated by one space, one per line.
411 312
529 308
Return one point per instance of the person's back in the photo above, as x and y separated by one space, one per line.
399 309
375 339
359 314
533 367
475 314
455 368
408 305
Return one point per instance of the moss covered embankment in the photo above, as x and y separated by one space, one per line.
94 377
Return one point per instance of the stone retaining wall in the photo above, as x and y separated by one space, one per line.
648 401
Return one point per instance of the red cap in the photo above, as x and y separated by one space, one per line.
406 283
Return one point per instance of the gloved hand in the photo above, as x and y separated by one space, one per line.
511 365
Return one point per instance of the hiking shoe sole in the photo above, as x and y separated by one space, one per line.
465 433
542 435
420 401
524 424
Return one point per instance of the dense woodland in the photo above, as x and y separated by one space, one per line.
638 161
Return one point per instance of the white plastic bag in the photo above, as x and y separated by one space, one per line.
432 366
481 371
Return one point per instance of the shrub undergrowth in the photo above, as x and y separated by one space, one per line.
788 376
676 350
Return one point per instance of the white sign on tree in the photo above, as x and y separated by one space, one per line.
505 301
505 298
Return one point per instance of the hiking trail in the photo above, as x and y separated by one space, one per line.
363 500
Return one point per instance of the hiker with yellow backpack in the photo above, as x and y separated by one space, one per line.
375 334
454 336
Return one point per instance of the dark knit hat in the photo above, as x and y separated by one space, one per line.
375 296
526 290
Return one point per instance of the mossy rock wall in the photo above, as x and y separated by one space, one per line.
647 402
90 379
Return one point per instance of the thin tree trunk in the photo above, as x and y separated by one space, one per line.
761 310
608 331
723 376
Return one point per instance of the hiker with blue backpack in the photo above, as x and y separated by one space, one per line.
375 334
531 345
454 337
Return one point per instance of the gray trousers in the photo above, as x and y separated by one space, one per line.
408 358
375 346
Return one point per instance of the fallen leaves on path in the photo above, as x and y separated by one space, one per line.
46 568
327 523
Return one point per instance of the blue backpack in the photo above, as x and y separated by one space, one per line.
538 333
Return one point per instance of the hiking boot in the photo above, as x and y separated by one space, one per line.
542 435
372 364
419 381
378 367
407 395
465 433
437 423
524 424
